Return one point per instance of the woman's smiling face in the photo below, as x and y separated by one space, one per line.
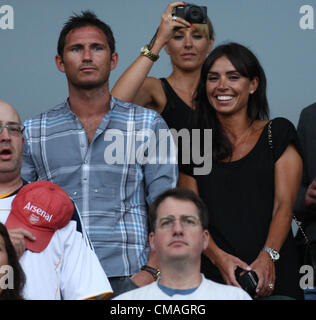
227 90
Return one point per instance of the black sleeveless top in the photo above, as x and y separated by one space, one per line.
240 198
177 115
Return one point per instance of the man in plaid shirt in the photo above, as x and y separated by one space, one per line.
113 158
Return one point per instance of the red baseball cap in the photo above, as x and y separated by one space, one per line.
41 207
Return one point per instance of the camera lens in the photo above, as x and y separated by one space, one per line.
196 15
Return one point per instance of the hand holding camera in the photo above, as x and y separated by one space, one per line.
191 13
177 15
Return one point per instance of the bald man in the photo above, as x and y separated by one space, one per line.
68 267
11 148
11 155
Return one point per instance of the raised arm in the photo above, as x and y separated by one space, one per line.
133 85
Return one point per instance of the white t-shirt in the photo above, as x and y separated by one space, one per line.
208 290
67 269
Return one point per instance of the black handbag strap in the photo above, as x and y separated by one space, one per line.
298 223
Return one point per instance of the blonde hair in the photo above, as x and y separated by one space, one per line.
206 29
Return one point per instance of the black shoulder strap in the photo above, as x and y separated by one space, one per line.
272 149
270 135
270 140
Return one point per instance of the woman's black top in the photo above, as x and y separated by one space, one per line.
178 115
240 198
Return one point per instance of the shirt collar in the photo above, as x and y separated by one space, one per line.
113 101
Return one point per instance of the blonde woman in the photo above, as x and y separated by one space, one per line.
187 45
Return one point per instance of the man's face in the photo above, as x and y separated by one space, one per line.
87 59
178 232
11 143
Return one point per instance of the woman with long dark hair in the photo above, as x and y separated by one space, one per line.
8 257
256 172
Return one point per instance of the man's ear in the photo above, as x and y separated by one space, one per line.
206 238
59 63
114 60
152 240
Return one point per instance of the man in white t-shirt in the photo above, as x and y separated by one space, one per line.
178 220
44 227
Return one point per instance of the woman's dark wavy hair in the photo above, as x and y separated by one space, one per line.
13 261
248 66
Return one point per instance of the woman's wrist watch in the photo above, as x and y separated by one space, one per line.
145 51
274 255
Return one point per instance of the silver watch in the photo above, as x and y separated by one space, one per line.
274 255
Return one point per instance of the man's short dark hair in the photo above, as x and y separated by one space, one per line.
87 18
179 194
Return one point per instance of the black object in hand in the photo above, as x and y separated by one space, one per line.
191 13
248 282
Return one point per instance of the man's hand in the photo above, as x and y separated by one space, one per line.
310 196
142 278
17 237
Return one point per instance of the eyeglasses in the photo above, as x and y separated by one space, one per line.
13 129
186 222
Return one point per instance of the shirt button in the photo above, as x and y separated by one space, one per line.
86 161
96 190
74 193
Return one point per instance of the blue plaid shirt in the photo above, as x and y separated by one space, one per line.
112 198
